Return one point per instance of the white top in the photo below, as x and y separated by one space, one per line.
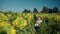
38 22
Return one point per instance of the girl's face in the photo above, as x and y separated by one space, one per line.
39 18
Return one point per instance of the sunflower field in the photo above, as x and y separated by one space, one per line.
23 23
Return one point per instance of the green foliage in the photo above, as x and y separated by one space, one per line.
3 32
49 27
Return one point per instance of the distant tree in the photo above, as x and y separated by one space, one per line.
29 11
10 12
59 11
55 10
50 10
35 10
26 11
45 10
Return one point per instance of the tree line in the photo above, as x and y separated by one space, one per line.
44 10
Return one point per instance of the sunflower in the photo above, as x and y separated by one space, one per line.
20 22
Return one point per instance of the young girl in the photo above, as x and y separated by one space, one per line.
38 21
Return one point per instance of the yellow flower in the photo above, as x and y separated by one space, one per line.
23 24
9 15
11 31
1 24
15 22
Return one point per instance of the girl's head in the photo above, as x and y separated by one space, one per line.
38 18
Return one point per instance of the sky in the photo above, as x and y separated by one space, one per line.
20 5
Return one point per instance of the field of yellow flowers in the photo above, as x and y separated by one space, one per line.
18 23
